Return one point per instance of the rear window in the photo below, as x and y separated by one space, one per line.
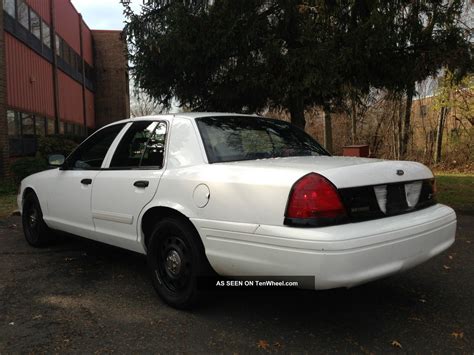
238 138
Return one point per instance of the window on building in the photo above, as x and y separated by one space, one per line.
46 34
40 124
65 52
50 127
89 72
61 127
79 64
14 124
58 45
9 7
27 124
35 24
23 13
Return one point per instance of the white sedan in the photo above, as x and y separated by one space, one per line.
241 196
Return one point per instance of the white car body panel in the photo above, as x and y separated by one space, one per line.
238 210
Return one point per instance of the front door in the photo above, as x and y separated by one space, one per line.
122 190
70 190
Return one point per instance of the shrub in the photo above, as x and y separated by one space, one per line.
24 167
7 187
55 145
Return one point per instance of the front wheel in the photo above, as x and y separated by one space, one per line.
37 233
176 258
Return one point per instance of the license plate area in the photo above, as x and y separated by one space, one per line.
371 202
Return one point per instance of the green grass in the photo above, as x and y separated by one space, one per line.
456 191
7 205
7 198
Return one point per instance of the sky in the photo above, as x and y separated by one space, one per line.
103 14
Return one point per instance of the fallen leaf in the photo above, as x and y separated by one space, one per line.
12 226
450 257
458 335
446 267
396 344
277 344
468 241
39 316
12 323
68 259
422 300
263 344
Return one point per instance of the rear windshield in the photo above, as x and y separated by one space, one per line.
238 138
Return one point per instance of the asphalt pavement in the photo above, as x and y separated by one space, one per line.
85 297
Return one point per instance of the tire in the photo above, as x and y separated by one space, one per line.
176 259
36 232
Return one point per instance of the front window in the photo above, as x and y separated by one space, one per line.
90 154
238 138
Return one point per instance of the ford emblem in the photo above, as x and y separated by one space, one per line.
400 172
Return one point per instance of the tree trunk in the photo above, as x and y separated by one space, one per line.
407 121
439 134
354 121
398 128
327 129
297 113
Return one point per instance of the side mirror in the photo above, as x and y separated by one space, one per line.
56 160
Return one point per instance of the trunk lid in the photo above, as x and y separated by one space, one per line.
368 188
345 172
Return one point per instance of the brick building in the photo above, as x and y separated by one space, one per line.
57 76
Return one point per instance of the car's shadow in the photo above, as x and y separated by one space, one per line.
367 301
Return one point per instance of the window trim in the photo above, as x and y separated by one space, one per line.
122 134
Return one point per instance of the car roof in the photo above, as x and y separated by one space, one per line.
191 115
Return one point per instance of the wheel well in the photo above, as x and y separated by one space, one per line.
155 214
26 192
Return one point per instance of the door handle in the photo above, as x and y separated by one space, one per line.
86 181
141 183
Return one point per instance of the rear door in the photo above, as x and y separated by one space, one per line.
129 182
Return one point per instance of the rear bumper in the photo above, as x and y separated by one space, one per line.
337 256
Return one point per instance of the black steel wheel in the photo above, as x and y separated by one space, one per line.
176 258
36 232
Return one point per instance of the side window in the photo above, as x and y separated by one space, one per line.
142 145
91 153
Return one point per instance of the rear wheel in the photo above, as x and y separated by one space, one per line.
176 258
37 233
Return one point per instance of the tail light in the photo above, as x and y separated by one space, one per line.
314 201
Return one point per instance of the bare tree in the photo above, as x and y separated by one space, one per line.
143 105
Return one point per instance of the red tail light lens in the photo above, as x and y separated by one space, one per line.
314 200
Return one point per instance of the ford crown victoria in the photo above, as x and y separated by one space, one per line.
239 196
